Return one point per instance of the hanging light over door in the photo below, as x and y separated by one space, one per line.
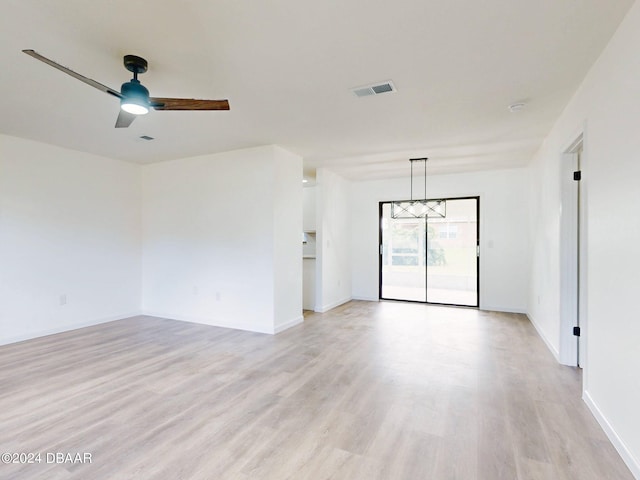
419 208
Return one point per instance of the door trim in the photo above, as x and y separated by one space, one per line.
572 350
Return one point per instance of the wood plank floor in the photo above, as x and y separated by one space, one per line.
367 391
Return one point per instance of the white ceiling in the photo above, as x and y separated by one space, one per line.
287 67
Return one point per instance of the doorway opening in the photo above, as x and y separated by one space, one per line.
431 258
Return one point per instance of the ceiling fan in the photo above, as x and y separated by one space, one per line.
134 97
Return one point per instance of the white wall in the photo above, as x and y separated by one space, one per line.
606 108
504 244
333 248
287 229
216 234
309 209
309 283
309 248
69 225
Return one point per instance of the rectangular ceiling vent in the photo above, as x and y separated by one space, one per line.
374 89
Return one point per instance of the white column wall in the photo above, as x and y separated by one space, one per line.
211 224
288 212
333 248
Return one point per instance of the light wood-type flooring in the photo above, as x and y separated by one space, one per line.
366 391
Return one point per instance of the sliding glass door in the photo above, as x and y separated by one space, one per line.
430 258
403 262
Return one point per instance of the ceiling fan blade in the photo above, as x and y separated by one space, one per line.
125 119
188 104
68 71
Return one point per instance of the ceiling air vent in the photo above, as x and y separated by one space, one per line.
374 89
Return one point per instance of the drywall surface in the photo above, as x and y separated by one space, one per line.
309 209
504 256
333 247
605 109
287 228
309 283
210 231
69 239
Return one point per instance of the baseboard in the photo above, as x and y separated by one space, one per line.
627 456
291 323
249 327
490 308
326 308
366 299
66 328
546 341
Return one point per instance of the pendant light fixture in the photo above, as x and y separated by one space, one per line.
419 208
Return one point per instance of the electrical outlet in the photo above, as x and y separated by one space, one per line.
63 299
196 290
217 296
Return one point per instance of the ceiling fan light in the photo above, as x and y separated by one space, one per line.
133 108
135 98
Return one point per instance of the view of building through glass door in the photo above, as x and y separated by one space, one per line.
431 259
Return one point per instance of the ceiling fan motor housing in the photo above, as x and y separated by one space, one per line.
135 97
134 89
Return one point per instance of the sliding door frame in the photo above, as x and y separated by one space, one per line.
380 297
